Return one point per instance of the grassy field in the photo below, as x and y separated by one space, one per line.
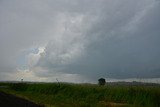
86 95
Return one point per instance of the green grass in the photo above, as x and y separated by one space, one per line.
87 95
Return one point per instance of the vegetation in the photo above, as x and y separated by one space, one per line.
86 95
101 81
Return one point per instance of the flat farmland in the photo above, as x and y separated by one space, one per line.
86 95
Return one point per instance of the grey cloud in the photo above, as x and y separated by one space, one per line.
111 50
93 38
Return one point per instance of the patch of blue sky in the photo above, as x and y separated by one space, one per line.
22 58
34 50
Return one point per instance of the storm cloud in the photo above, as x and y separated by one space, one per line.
76 40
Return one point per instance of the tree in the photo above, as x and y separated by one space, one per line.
101 81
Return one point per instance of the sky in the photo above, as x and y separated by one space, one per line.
79 40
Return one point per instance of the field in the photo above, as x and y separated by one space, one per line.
86 95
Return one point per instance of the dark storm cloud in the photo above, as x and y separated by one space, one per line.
92 38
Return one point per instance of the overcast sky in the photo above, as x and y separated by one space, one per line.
79 40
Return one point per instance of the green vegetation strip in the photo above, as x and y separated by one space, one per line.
86 95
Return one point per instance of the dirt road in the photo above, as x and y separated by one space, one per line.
8 100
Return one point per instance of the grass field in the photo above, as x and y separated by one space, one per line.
86 95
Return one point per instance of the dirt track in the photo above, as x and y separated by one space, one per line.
8 100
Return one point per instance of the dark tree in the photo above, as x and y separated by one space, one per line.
101 81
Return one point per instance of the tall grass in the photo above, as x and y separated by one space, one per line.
85 95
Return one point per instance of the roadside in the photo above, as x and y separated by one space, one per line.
8 100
